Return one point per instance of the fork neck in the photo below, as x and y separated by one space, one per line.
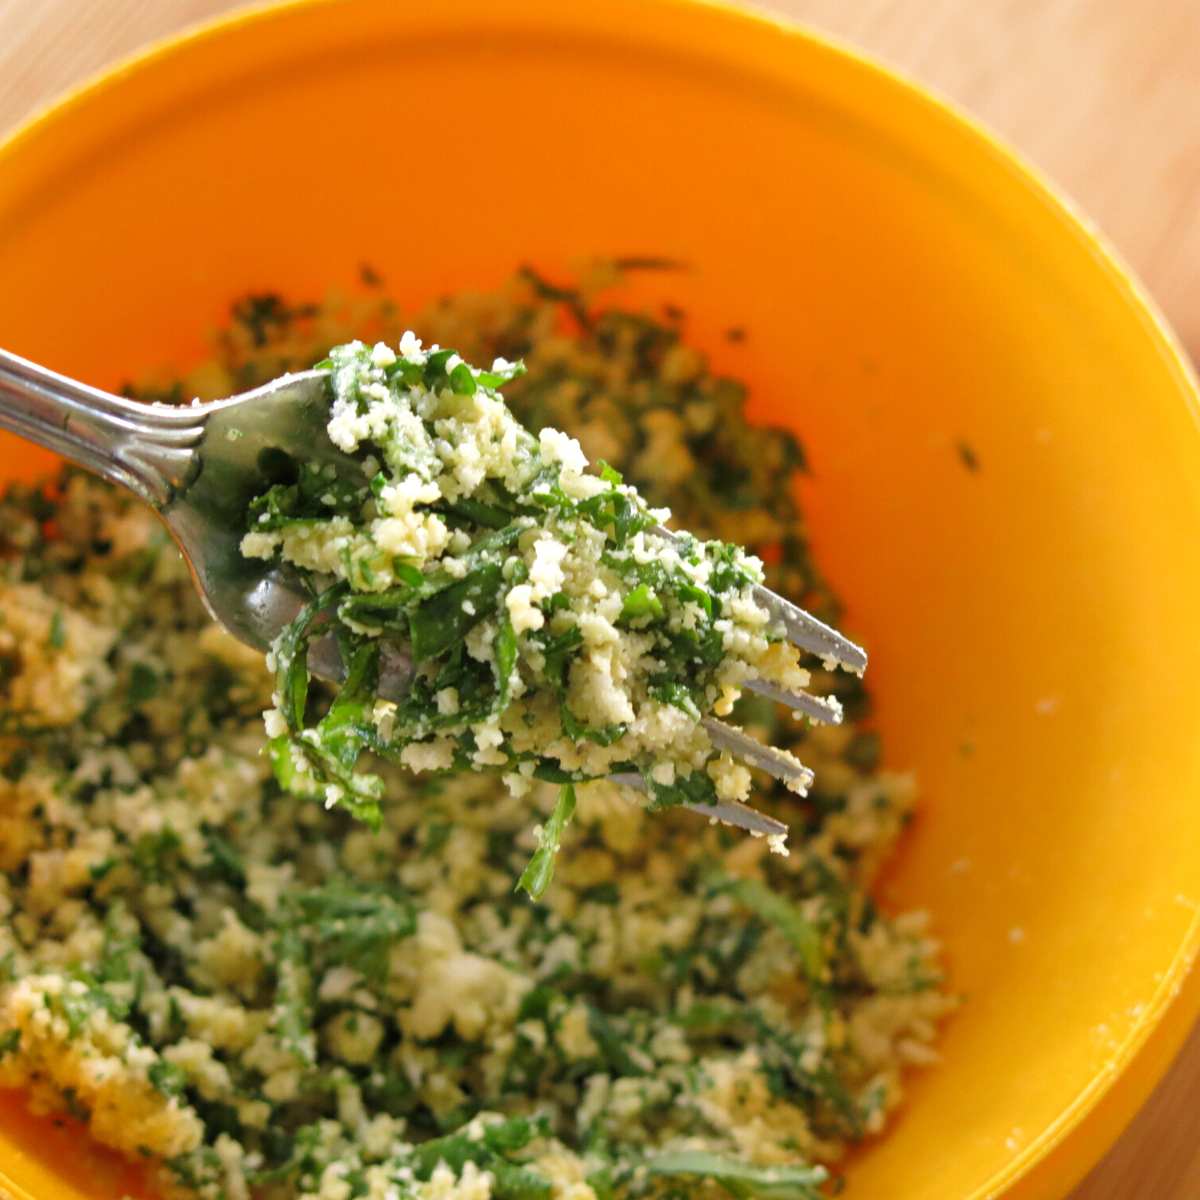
146 448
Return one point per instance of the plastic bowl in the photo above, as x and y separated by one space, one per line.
1006 480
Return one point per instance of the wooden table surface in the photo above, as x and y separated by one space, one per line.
1102 94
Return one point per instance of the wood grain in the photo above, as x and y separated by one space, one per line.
1104 95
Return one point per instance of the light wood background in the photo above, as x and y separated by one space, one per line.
1102 94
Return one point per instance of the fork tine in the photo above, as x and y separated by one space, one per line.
779 764
802 627
741 816
807 632
818 708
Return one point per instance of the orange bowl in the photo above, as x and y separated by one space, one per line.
1006 481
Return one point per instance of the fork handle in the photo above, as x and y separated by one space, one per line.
146 448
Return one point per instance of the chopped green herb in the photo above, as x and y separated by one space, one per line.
535 879
804 936
167 1078
741 1180
143 684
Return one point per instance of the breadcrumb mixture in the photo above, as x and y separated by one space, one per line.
552 627
255 993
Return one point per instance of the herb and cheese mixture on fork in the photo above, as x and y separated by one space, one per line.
556 630
254 993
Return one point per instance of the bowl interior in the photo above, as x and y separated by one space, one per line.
1006 467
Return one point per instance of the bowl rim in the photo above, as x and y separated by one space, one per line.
1178 991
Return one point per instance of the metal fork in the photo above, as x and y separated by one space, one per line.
200 465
